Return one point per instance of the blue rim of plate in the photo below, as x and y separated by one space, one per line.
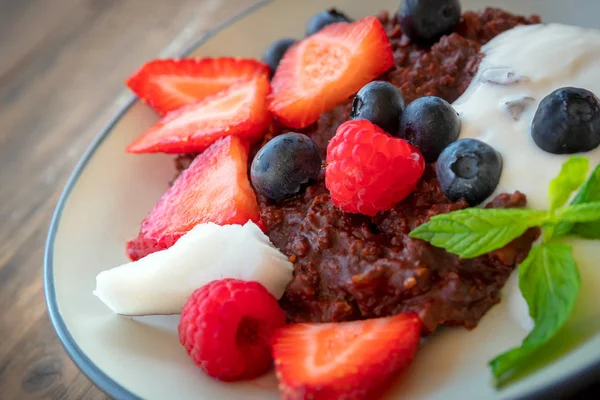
568 384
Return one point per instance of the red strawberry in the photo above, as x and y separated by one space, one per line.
343 360
167 85
328 67
239 110
215 188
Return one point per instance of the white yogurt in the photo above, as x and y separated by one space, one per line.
161 282
521 67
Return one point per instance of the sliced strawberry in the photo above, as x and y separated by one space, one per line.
347 360
167 85
328 67
215 188
239 110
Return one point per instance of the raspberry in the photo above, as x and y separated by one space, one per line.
368 170
226 327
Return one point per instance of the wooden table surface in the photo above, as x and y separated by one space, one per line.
62 64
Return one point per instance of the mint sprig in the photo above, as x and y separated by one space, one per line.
472 232
571 177
549 281
548 277
589 192
587 212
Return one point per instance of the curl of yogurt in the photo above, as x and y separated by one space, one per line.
527 63
161 282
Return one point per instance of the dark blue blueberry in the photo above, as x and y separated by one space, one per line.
425 21
284 165
275 53
567 121
381 103
469 169
324 18
431 124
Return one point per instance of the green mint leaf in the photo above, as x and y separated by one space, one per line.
586 212
549 281
588 230
572 175
472 232
589 192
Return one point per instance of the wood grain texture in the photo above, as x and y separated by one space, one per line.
62 64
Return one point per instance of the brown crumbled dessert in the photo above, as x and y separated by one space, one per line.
349 266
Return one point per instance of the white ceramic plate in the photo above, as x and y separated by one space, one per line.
110 192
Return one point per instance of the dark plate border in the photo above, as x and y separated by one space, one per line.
559 389
83 362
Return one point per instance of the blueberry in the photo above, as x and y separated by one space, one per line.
381 103
469 169
275 53
284 165
431 124
426 20
567 121
324 18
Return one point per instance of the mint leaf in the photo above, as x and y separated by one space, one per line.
586 212
572 175
549 281
472 232
589 192
588 230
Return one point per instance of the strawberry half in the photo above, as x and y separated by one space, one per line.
328 67
215 188
239 110
167 85
343 360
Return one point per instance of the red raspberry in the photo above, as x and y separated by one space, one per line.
368 170
226 327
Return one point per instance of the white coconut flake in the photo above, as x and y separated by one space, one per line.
161 282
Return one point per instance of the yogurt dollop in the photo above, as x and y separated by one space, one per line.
520 67
161 282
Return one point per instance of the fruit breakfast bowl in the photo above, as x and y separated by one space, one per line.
350 205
